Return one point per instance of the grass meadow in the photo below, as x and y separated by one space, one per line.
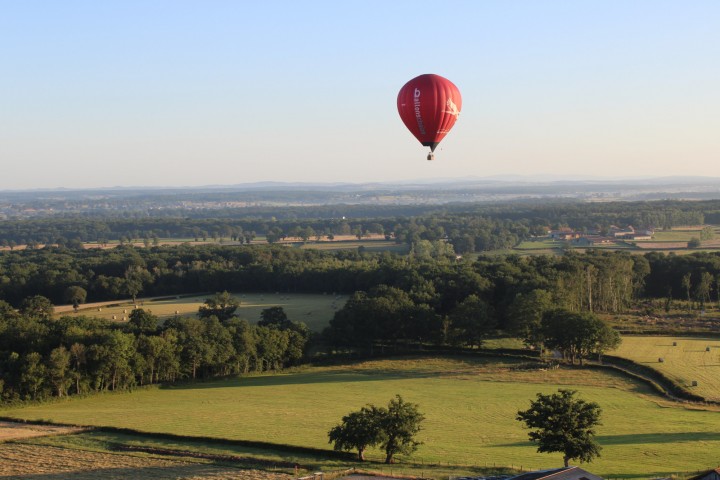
689 360
368 245
314 310
675 239
470 407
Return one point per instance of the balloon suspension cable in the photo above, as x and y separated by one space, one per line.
431 156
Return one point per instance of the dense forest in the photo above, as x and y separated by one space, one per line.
596 281
429 297
42 357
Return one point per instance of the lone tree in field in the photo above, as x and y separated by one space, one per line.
357 431
563 424
221 305
392 428
399 424
274 316
75 295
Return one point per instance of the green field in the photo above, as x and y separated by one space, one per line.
686 362
368 245
533 247
539 244
679 235
662 240
470 407
315 311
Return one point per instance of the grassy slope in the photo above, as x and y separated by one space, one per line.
314 310
470 408
684 363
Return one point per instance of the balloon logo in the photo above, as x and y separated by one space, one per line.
429 105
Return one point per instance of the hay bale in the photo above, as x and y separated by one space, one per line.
674 344
661 360
694 383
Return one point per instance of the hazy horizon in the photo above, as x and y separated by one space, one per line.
458 182
181 94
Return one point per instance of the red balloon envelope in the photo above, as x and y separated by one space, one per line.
429 105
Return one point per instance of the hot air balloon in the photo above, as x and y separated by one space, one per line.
429 105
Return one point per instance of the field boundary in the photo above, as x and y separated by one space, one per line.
68 308
656 379
170 452
190 438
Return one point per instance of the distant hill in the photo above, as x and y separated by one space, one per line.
495 189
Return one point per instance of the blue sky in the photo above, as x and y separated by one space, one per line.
180 93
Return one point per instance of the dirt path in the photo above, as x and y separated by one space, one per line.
16 431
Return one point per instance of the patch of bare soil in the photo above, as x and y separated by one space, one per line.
15 431
40 462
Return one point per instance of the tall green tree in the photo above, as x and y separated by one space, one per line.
272 344
471 322
37 306
577 335
400 423
58 370
357 431
78 361
393 428
32 375
75 295
244 342
703 288
221 305
563 423
142 321
274 316
525 315
135 279
687 284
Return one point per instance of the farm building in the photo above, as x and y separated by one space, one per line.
590 240
709 475
622 232
641 235
565 473
564 233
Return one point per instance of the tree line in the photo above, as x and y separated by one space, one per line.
596 281
42 357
